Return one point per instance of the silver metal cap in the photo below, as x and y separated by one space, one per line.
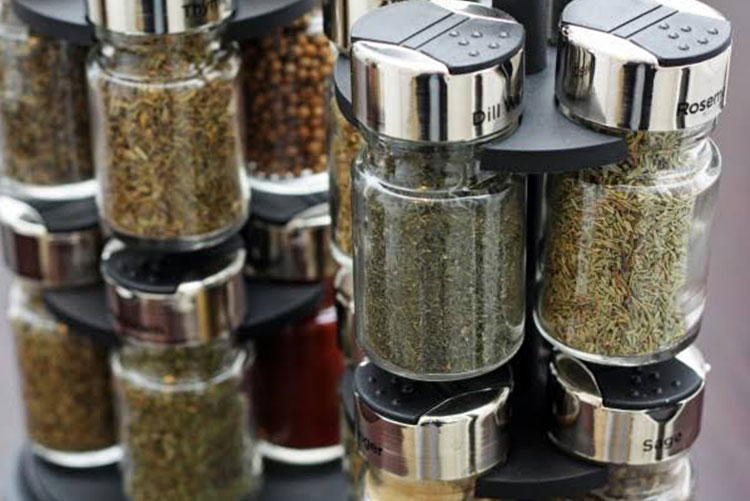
298 250
628 416
35 249
441 71
158 17
175 299
340 15
643 64
429 431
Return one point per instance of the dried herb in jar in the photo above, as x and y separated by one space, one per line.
185 433
286 84
44 111
616 268
382 486
65 381
170 145
346 142
440 265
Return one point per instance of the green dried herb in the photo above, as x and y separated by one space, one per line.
286 75
44 112
169 146
184 424
616 267
382 486
439 260
345 144
65 380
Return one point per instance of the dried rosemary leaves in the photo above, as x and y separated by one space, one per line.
44 117
169 139
439 260
285 81
345 143
65 380
624 271
184 423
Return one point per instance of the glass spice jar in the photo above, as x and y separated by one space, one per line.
347 338
64 374
352 463
421 440
438 243
626 247
45 150
294 382
167 109
286 86
640 422
184 419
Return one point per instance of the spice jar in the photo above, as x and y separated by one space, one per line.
423 440
64 373
167 103
184 420
294 381
352 463
439 244
285 83
624 270
639 421
44 117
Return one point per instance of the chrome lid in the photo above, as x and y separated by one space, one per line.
188 298
627 416
432 431
56 244
441 71
295 250
643 64
339 17
158 17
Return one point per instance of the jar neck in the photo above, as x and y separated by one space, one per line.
161 56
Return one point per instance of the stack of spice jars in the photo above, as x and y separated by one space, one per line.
166 97
293 385
438 246
623 271
51 241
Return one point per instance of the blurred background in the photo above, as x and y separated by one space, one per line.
723 451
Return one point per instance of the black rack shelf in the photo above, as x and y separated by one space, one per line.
545 142
66 19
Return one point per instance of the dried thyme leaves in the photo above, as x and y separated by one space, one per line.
286 84
440 269
346 141
615 271
66 383
44 111
185 433
170 150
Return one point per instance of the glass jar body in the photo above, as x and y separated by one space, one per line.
169 137
294 389
184 422
379 485
286 76
345 142
353 464
45 142
626 249
670 481
66 385
439 260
